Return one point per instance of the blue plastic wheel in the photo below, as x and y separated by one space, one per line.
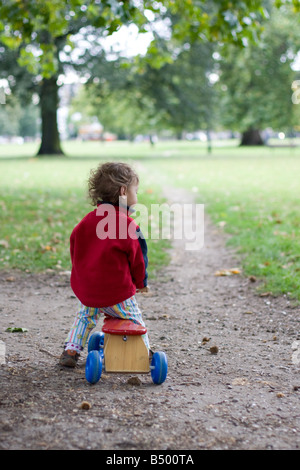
96 341
159 367
93 367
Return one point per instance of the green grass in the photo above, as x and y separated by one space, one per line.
254 193
41 201
133 150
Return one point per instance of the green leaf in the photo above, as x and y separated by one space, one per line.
11 42
16 330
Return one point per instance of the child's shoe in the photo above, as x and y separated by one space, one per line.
69 358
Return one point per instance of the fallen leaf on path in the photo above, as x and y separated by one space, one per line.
265 294
227 272
16 330
235 271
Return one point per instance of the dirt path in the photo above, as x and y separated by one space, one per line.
246 396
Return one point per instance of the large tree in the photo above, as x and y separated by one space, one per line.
255 83
177 96
40 29
182 88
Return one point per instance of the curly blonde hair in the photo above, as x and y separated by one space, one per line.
105 182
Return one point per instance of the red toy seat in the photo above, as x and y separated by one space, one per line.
116 326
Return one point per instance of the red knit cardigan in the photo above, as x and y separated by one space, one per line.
109 257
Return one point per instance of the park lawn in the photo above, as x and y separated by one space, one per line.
252 194
111 150
41 201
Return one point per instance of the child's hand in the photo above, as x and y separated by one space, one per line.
143 290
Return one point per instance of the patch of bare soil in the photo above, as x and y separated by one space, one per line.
233 379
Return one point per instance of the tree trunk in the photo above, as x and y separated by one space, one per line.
209 147
50 144
252 137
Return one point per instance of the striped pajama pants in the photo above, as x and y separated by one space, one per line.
87 318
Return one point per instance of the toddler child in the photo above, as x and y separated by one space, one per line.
109 257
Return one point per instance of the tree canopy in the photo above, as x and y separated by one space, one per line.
128 99
37 28
39 32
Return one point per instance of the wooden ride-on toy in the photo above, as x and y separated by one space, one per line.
120 348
